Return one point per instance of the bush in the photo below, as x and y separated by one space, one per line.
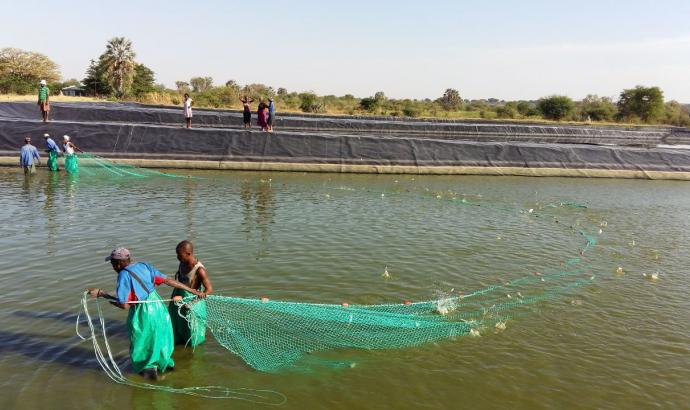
369 104
411 111
309 102
556 107
597 108
507 111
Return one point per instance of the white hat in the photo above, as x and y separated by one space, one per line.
43 82
66 138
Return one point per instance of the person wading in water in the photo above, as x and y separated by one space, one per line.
148 322
189 327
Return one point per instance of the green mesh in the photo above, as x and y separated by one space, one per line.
93 165
273 335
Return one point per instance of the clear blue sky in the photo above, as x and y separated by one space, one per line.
503 49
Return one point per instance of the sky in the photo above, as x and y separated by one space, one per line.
502 49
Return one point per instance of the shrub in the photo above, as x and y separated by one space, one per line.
556 107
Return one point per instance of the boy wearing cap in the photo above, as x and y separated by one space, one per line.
43 97
27 155
53 152
148 322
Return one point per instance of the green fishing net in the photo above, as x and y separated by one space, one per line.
94 165
273 335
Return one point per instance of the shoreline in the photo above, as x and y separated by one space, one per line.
176 164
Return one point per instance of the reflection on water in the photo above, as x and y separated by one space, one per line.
620 343
258 207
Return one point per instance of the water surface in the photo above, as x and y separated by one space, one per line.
620 342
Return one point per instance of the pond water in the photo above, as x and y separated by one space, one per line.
621 341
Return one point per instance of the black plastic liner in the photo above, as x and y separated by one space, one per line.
436 129
162 142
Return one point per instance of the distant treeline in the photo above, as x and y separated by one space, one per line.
116 75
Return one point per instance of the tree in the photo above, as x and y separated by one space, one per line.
676 114
119 64
144 80
598 108
95 83
201 84
380 97
20 71
182 87
282 91
450 100
556 107
645 103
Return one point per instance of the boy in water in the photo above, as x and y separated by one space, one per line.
192 327
148 322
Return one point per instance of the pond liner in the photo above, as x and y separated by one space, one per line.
384 126
123 140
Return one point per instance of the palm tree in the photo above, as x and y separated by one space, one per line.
118 60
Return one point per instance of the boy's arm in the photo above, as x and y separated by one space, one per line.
203 274
178 285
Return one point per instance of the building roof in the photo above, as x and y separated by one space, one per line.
73 87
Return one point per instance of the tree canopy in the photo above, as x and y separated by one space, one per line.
118 61
450 100
645 103
20 70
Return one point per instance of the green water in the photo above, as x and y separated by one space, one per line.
621 342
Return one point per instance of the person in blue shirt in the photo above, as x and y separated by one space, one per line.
27 155
148 321
271 114
53 152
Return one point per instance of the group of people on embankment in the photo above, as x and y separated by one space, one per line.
265 112
29 156
154 328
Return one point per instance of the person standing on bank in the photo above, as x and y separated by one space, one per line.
43 99
27 155
188 110
247 112
262 115
271 114
71 159
148 322
53 153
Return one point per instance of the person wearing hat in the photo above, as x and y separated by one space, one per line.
53 152
271 114
27 155
71 159
148 321
43 99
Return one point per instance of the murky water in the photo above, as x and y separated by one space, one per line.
621 342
